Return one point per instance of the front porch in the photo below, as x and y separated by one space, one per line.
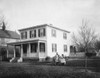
30 49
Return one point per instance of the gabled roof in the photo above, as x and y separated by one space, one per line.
9 34
43 25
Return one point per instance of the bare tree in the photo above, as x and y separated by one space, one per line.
3 23
97 45
85 37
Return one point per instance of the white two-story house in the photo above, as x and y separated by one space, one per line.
41 41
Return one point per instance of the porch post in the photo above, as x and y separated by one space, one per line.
14 51
46 53
21 50
7 51
38 49
29 48
11 60
68 47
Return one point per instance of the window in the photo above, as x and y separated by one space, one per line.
33 34
41 32
24 35
25 48
65 48
54 47
53 33
21 35
65 35
34 47
42 47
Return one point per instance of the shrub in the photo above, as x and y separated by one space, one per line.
88 54
48 59
3 53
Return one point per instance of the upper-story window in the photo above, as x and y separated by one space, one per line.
32 33
41 32
65 35
24 35
53 32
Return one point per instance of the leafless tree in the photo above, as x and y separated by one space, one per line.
85 37
3 23
97 45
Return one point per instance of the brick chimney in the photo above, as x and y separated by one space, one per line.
3 26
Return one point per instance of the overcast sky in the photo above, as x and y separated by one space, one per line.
65 14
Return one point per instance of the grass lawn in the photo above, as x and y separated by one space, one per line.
93 63
32 70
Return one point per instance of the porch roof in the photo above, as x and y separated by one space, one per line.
25 42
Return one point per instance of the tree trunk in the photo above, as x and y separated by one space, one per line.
85 60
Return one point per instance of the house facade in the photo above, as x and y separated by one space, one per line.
5 37
42 41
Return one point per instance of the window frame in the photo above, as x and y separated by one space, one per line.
42 47
53 32
41 32
65 48
54 47
65 35
33 33
24 35
33 46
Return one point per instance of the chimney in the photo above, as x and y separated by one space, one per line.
3 26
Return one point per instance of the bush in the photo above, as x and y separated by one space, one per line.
48 59
3 53
90 54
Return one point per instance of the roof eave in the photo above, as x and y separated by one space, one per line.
43 25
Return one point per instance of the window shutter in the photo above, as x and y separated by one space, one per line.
39 32
30 33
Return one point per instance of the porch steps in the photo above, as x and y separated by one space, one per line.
15 59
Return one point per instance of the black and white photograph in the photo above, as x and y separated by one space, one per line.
49 38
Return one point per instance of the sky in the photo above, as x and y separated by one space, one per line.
65 14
